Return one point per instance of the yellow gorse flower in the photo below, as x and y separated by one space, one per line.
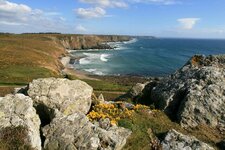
113 111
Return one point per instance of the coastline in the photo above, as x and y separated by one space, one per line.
69 60
75 59
68 69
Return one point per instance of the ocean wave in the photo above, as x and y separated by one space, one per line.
90 57
121 45
90 70
134 40
104 57
94 71
84 61
121 48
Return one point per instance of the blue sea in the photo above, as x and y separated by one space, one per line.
145 56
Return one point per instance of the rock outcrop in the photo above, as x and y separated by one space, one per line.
195 94
67 96
16 111
76 132
62 105
139 93
177 141
136 90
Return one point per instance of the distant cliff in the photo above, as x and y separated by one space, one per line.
76 42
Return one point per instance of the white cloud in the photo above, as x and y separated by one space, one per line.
12 13
28 19
106 3
188 23
80 28
88 13
11 23
6 6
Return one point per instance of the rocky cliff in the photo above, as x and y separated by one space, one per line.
194 94
76 42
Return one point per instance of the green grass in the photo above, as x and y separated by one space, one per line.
106 86
160 124
108 95
21 75
26 57
102 85
139 125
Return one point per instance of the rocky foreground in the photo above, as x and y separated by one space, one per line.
53 113
58 108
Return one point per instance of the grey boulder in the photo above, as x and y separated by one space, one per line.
77 132
136 90
177 141
67 96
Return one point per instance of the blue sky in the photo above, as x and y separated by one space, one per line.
161 18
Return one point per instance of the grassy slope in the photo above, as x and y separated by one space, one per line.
160 124
25 57
109 89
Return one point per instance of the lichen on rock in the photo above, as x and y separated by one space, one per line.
75 131
178 141
67 96
194 94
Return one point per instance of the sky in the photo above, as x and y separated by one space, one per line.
160 18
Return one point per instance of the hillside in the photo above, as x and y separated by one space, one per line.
28 56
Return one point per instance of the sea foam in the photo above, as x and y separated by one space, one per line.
134 40
91 57
94 71
104 57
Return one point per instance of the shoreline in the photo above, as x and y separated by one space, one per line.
68 68
69 60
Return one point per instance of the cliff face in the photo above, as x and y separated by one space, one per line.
77 42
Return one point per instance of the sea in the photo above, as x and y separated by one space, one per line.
145 56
